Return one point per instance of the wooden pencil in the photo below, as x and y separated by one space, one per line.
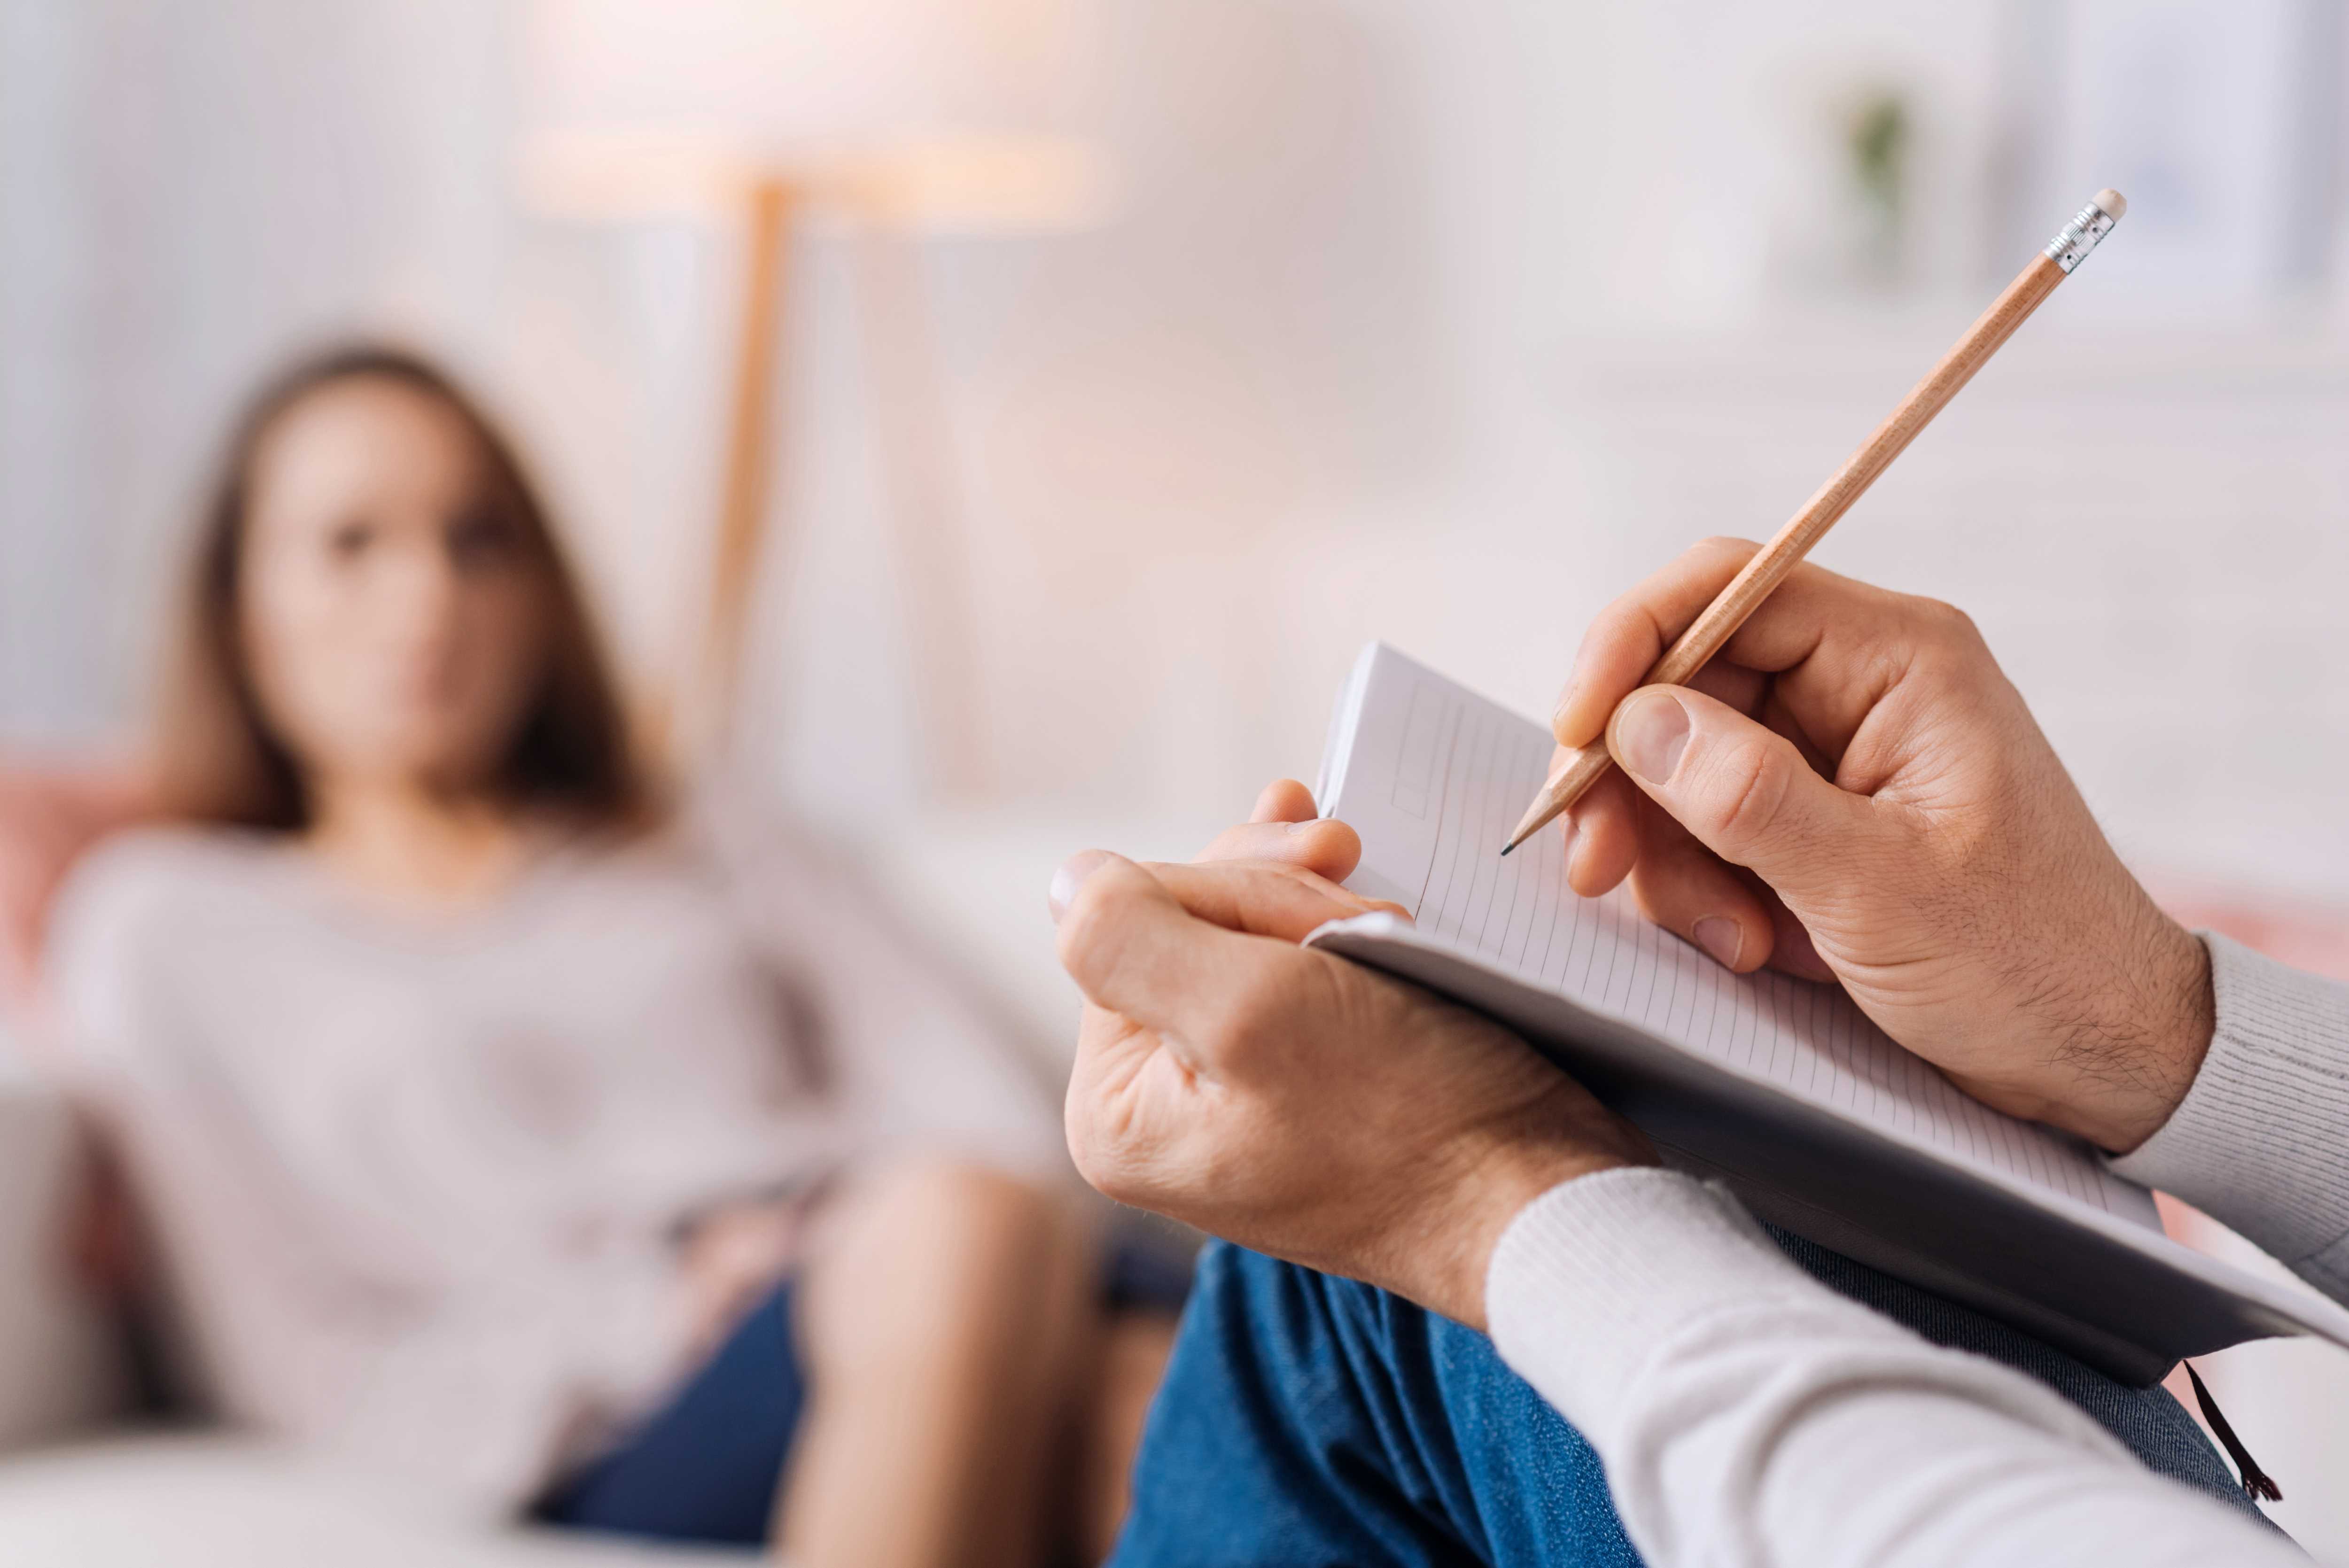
1578 771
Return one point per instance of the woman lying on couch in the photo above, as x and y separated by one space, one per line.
616 1162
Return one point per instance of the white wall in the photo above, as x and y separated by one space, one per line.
1436 323
1527 319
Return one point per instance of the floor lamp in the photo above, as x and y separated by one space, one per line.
774 114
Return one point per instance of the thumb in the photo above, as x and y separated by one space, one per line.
1739 789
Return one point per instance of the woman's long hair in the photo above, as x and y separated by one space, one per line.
217 757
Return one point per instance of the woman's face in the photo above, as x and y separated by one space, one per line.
395 621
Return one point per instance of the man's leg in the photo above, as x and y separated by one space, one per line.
1308 1420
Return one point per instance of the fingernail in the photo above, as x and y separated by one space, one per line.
1651 730
1072 876
1306 826
1720 937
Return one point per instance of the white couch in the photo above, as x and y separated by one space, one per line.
79 1486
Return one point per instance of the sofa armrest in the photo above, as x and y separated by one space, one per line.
62 1368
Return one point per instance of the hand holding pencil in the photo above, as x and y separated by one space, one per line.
1846 787
1852 791
1769 567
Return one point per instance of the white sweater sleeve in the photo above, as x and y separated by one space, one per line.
1748 1414
2261 1142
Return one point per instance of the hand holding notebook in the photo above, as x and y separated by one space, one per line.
1294 1103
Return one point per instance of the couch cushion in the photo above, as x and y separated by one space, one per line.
61 1369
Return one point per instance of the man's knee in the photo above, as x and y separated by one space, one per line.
1238 1277
1285 1346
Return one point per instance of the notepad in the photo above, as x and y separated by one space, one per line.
1781 1087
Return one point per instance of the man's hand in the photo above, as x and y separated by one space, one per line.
1292 1101
1853 791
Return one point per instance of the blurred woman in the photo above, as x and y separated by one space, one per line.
617 1163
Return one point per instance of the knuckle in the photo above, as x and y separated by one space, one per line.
1718 547
1231 844
1745 789
1263 890
1951 645
1947 622
1623 618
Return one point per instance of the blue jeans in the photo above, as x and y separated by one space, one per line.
1309 1420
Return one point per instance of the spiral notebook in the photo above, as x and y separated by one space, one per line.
1779 1087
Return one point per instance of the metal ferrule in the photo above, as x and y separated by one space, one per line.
2070 248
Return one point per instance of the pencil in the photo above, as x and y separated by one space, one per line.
1578 771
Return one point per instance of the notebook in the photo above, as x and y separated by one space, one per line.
1779 1087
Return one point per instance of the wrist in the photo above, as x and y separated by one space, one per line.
1498 1186
2150 1048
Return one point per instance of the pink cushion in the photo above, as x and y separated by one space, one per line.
48 814
2304 934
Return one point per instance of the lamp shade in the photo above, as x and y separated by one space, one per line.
943 113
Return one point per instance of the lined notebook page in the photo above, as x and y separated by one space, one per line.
1434 776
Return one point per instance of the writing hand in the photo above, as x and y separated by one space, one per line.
1853 791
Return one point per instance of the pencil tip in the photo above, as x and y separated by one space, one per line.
1506 849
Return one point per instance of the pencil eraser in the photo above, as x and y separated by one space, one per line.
2114 204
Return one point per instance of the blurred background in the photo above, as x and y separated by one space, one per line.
1089 378
1374 318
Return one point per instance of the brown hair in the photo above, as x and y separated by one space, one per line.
217 757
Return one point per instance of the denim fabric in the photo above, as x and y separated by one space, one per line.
705 1467
1310 1420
